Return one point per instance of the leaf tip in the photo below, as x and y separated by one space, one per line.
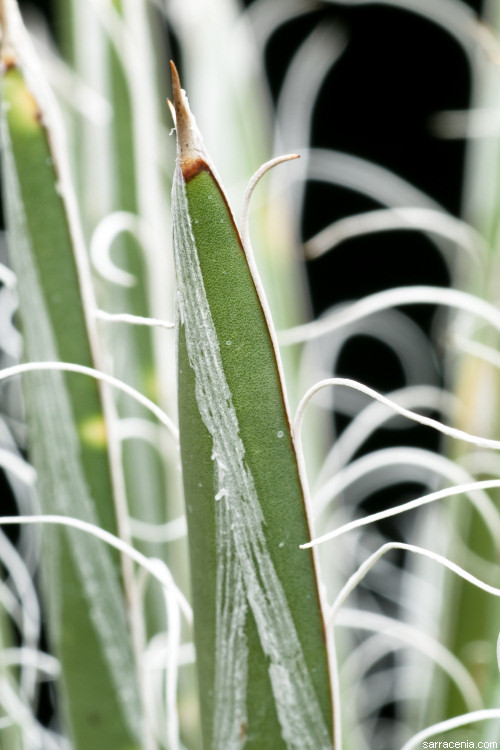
176 84
190 147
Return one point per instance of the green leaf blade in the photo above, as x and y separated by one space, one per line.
68 444
256 601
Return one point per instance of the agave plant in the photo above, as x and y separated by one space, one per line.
251 597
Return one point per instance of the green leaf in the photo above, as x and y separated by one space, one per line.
68 440
262 659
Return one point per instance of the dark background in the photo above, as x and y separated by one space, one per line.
378 102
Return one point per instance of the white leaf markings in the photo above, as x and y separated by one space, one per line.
246 574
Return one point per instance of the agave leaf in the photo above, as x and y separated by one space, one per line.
83 585
128 206
262 659
471 618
